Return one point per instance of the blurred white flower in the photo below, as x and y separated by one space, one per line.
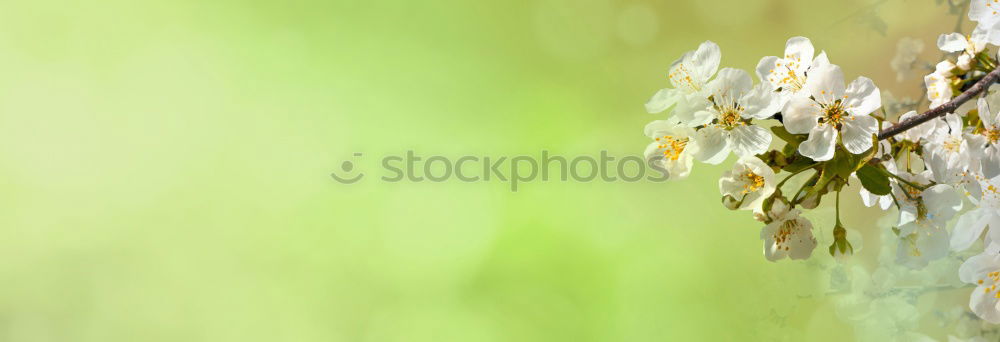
986 215
829 113
923 215
905 61
788 234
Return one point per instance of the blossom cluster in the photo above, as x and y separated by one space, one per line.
828 131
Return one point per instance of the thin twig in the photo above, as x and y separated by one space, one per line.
941 110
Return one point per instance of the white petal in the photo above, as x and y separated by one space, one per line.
764 68
825 83
659 128
730 84
952 42
802 244
991 162
800 115
984 112
942 202
968 228
694 110
980 11
867 198
662 100
799 49
750 140
984 305
821 60
974 268
760 103
862 97
705 61
858 133
713 145
820 145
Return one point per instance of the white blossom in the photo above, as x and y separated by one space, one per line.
947 152
788 234
938 84
904 62
788 74
986 145
688 76
985 217
923 215
671 150
726 122
983 271
749 182
829 112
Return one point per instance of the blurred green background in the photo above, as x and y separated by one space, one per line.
164 169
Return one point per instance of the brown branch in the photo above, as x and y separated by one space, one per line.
941 110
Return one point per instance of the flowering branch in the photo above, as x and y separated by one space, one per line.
941 110
827 127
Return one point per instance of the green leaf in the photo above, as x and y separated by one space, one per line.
798 164
842 164
792 139
874 180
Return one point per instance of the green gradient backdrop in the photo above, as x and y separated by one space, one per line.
164 171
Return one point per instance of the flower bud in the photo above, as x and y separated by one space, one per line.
840 247
731 203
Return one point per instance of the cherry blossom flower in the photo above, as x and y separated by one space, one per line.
788 234
983 271
948 153
726 123
749 182
985 216
986 144
904 62
671 149
939 83
923 215
829 112
688 75
970 46
787 75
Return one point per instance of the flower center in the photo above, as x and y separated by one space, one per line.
784 234
993 135
730 117
995 278
953 145
672 146
752 182
682 78
786 77
911 241
834 114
